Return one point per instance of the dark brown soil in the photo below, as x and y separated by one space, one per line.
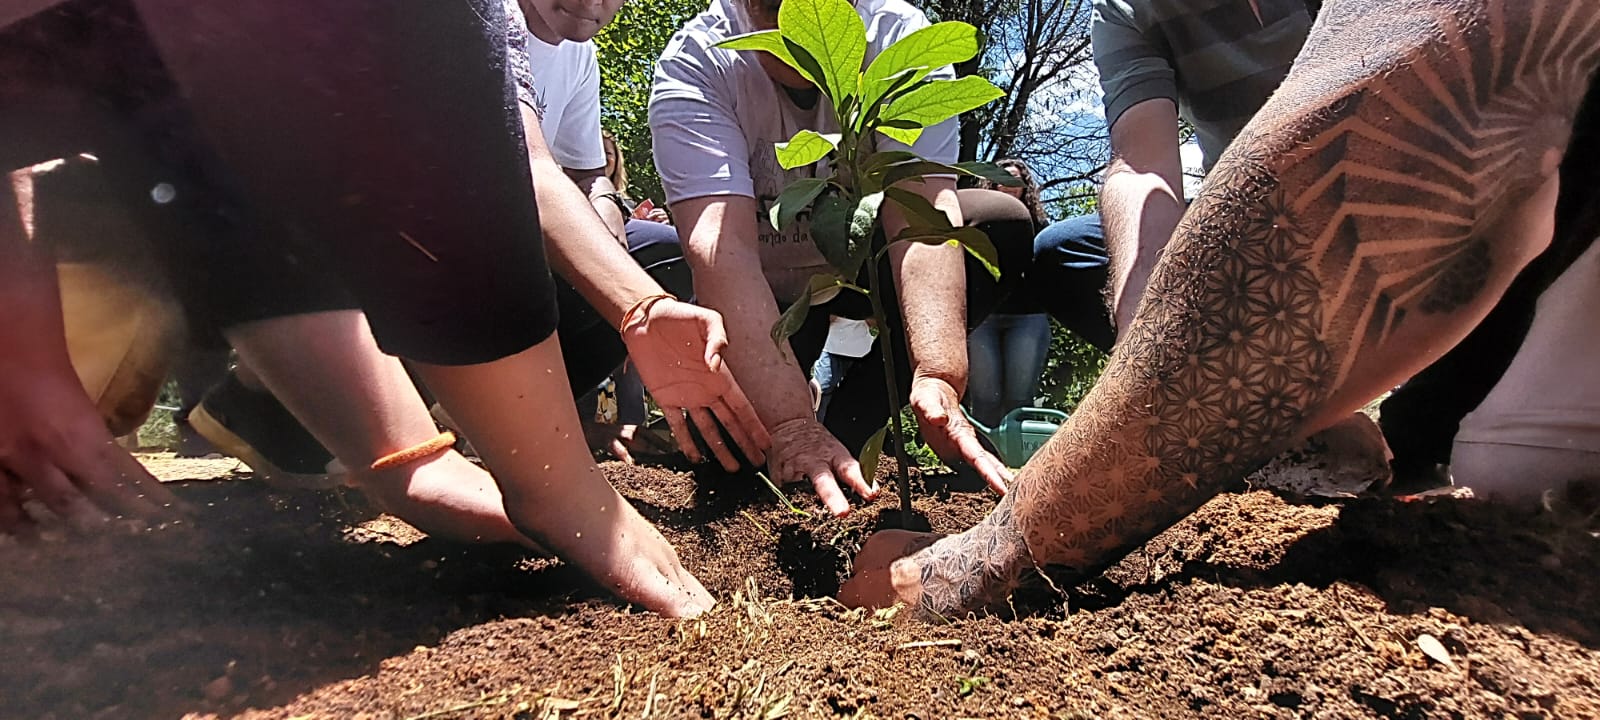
279 605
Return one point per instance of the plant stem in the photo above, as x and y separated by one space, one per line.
903 479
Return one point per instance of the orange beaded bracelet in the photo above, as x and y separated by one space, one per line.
440 443
642 307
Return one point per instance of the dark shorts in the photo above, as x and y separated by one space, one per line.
373 141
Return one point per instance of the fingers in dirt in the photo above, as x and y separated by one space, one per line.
828 491
118 482
14 520
850 470
713 437
51 486
680 432
619 450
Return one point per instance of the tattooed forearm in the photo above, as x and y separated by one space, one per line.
1364 221
979 572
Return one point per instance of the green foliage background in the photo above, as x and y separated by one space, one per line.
627 50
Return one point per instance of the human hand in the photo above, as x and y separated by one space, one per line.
678 349
630 557
942 576
623 440
55 448
802 449
877 579
949 434
658 215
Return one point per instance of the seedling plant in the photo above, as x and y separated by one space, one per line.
892 97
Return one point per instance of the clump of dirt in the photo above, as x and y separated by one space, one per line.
278 605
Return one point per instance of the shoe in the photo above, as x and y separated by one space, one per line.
253 426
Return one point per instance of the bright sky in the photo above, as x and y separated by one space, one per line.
1085 106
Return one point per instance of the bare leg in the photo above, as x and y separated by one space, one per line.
1366 219
328 371
519 413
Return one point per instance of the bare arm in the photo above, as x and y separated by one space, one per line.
933 290
603 272
932 282
719 239
1367 218
1142 199
598 188
680 356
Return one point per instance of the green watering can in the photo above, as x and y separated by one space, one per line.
1020 434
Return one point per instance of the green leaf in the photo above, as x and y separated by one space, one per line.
792 319
972 239
832 32
907 136
830 229
991 172
825 287
885 158
772 41
806 147
917 208
805 63
920 53
917 168
896 86
939 100
794 199
871 453
766 40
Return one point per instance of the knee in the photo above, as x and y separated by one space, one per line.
644 233
985 207
1522 474
1078 239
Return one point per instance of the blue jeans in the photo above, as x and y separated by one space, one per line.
1069 275
1005 356
829 372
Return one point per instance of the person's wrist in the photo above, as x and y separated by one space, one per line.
955 379
638 313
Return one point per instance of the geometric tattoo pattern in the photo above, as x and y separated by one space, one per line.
1369 187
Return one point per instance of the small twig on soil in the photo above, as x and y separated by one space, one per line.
951 642
759 526
781 497
486 702
1338 604
620 680
650 698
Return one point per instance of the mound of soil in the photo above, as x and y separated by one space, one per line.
299 605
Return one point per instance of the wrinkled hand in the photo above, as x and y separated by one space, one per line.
658 215
947 432
678 349
878 579
54 448
623 440
802 449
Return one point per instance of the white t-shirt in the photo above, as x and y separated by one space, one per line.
562 85
715 115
